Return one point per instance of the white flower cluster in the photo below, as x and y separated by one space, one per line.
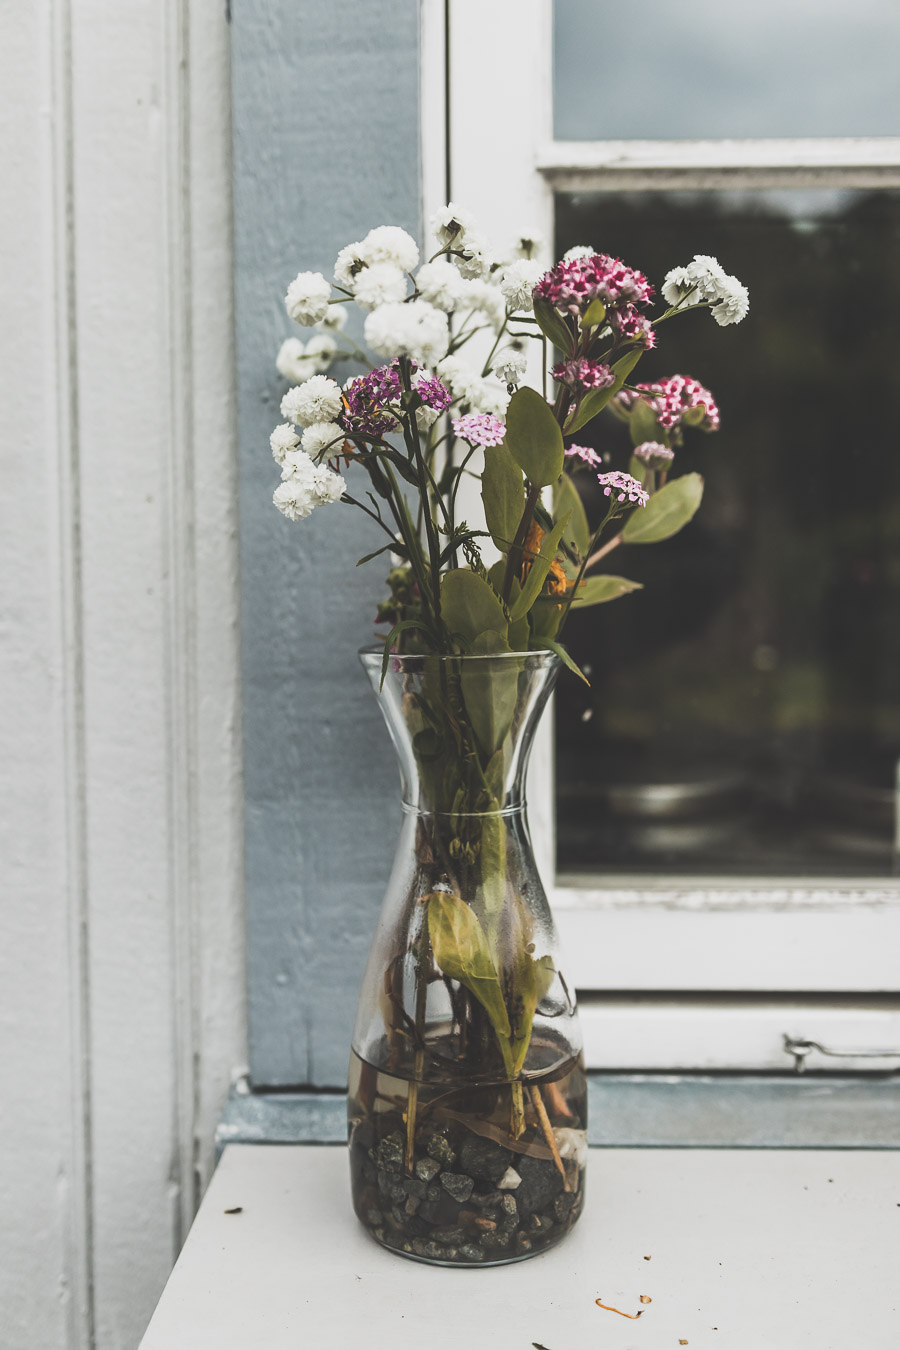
307 298
509 365
519 280
298 362
705 278
306 485
483 394
376 272
413 329
454 228
318 400
374 269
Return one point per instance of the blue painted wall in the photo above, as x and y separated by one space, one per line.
326 118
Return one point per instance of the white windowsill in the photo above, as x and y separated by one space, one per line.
784 1249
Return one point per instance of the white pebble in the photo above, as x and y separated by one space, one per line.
510 1180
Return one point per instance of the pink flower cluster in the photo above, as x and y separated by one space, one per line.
571 286
372 401
654 454
671 399
585 454
623 487
480 428
583 374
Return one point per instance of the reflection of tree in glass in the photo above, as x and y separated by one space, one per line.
768 636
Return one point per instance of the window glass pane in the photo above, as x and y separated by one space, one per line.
744 710
707 69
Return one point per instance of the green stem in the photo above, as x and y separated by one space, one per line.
411 435
589 558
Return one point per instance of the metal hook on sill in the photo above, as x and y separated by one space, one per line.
801 1048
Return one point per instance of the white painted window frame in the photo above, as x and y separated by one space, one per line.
489 102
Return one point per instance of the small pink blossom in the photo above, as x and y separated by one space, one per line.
585 454
654 454
583 374
480 428
623 487
673 401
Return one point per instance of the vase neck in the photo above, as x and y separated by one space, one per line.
463 727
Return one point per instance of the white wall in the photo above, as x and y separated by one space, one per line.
121 960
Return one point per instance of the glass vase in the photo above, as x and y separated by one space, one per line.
467 1094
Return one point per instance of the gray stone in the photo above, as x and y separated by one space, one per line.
562 1206
483 1159
389 1153
508 1214
471 1253
457 1185
449 1236
374 1217
431 1250
415 1188
541 1184
385 1182
438 1147
427 1169
496 1241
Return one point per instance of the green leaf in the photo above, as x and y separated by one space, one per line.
567 499
490 691
597 399
537 574
395 547
598 590
594 314
553 326
492 858
503 494
566 659
643 423
545 615
469 605
667 511
461 951
533 437
638 469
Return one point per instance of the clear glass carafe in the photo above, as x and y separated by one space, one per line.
467 1095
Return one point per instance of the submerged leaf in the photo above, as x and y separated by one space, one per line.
490 690
462 953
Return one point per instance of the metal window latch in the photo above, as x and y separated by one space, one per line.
801 1048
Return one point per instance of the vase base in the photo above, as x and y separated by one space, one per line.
467 1174
458 1263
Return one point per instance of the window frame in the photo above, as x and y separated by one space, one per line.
646 932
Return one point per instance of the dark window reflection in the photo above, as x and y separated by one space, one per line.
744 714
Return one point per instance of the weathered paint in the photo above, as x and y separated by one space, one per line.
326 146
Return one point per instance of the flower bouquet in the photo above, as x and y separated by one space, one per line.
467 1100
